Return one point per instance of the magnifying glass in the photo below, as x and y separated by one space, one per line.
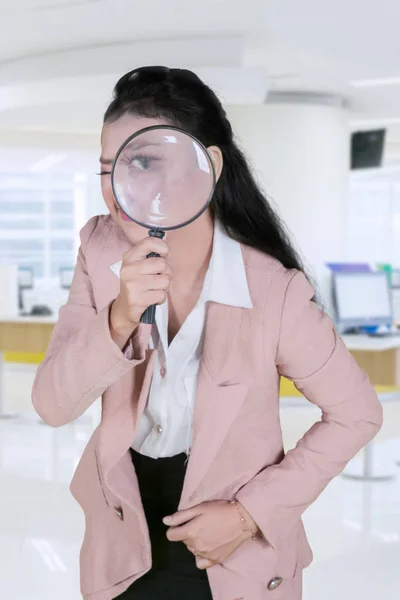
163 178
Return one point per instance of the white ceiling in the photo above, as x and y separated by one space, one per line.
60 58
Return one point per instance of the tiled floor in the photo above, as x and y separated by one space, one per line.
354 527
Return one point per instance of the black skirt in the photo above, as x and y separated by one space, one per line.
174 575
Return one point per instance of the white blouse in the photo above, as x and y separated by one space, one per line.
166 426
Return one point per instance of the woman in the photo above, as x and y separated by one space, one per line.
225 524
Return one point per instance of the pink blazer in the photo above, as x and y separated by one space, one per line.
237 449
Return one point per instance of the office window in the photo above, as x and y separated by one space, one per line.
38 222
374 217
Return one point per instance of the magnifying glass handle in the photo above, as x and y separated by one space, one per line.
149 315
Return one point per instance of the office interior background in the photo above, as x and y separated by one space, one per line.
312 89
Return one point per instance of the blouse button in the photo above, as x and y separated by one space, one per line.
159 429
163 372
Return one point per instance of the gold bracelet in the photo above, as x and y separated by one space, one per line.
245 526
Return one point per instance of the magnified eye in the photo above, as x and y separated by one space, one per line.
142 163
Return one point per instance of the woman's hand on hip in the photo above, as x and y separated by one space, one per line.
212 530
143 282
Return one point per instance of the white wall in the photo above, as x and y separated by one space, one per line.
374 216
300 153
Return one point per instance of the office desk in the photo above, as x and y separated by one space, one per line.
23 334
379 357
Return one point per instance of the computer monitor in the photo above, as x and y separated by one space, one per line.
25 282
362 300
66 275
25 278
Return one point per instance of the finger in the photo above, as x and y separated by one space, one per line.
153 244
192 550
197 553
153 297
156 282
145 266
183 516
179 534
152 265
145 247
204 563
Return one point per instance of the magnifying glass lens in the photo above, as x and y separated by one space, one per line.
163 178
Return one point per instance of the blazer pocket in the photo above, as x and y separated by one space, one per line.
280 576
112 549
257 561
108 554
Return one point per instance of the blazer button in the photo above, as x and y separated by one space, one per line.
275 583
119 512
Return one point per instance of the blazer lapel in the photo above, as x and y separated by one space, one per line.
220 393
126 422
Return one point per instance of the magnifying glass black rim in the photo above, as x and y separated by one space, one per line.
154 128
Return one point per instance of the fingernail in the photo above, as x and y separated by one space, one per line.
167 520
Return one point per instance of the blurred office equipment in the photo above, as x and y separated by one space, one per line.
66 275
367 149
25 277
9 290
396 305
362 301
41 310
348 267
395 278
387 268
396 296
44 294
364 315
25 282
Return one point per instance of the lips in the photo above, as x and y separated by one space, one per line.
124 217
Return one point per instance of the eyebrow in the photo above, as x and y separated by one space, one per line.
106 161
139 146
144 144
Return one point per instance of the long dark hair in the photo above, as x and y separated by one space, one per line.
180 98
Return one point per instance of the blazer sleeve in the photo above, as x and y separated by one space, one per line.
311 354
82 360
